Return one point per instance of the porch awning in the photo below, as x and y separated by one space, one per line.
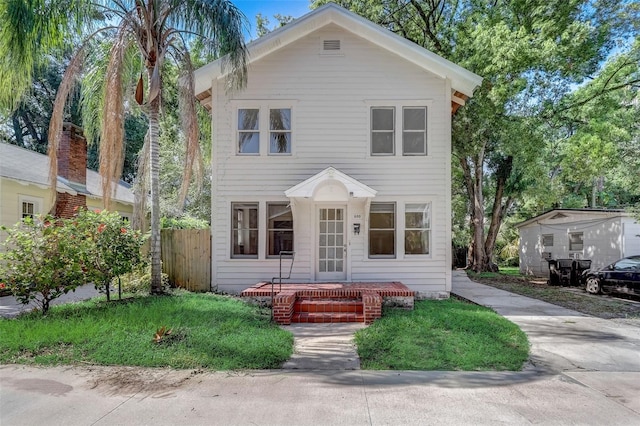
330 185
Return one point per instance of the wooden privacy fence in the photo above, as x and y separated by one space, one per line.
186 258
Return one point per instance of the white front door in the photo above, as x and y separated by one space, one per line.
332 244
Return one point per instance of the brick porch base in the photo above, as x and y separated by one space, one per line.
330 302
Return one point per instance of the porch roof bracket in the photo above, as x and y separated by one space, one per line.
316 187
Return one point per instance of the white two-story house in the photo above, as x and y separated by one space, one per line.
338 148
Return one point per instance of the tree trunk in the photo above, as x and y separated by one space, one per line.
477 218
154 156
499 210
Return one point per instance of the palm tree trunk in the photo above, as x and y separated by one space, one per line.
154 155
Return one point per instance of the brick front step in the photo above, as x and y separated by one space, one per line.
353 306
326 317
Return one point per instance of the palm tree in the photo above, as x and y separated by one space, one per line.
141 35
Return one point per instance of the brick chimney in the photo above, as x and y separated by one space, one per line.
72 166
72 155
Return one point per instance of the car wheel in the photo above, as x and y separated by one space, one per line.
593 285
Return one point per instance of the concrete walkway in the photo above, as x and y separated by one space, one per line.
324 347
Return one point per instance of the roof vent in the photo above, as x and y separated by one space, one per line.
331 45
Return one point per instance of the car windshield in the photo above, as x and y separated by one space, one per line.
629 264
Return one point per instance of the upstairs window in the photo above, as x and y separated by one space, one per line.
417 228
279 228
382 230
382 131
248 131
280 131
414 131
244 230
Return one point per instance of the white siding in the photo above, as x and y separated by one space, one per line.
604 236
631 243
331 98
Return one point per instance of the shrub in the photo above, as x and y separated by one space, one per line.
114 248
185 222
43 259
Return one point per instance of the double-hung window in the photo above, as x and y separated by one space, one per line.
404 132
417 228
244 232
280 131
414 131
576 241
279 228
248 131
383 130
29 206
264 127
382 230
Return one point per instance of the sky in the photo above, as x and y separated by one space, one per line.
268 8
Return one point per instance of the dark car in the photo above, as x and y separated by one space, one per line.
622 276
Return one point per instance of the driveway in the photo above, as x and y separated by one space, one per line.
561 339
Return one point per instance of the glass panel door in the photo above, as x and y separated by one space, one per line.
331 244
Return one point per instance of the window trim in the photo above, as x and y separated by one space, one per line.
268 229
392 131
399 104
233 230
429 228
395 232
36 201
264 128
426 126
547 236
581 234
271 131
238 131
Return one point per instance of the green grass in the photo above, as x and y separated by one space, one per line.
208 331
442 335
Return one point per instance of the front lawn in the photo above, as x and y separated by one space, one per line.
442 335
207 331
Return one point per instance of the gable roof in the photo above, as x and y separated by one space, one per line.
563 213
463 82
308 187
30 167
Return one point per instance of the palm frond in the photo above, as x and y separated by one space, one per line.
193 164
220 26
112 132
57 116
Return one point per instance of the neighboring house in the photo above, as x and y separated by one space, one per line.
339 148
25 189
602 236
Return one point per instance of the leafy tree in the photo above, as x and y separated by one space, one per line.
42 261
530 53
262 23
112 248
135 38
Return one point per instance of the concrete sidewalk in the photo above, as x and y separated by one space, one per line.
126 396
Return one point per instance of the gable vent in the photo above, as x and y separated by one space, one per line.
331 45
